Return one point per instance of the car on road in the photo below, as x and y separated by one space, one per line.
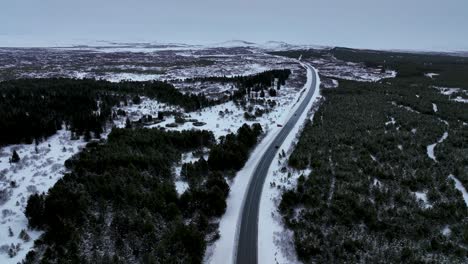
279 125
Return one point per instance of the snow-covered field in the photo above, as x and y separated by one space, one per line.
332 67
140 62
38 170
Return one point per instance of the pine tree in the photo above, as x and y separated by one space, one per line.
87 135
128 124
35 210
15 157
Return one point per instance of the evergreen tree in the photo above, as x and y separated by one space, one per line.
35 210
15 157
128 124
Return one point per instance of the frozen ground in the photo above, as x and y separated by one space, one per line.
180 184
136 62
454 94
38 170
459 186
332 67
422 196
431 75
430 148
147 107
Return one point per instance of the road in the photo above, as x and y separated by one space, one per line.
247 245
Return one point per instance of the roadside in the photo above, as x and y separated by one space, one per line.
275 243
223 250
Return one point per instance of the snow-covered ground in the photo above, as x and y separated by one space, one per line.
38 170
461 94
147 107
228 117
422 196
180 184
332 67
431 75
141 62
430 148
459 186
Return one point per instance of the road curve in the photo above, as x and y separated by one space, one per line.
247 244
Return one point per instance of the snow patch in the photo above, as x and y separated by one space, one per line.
459 186
430 148
377 183
422 196
38 170
181 186
446 231
431 75
391 122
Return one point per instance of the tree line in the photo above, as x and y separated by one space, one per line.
34 109
252 83
360 202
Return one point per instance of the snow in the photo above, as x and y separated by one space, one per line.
231 119
430 148
461 99
147 107
223 250
181 186
269 45
35 173
459 186
447 90
422 196
434 108
335 82
446 231
431 75
332 67
407 108
391 122
377 183
117 77
228 117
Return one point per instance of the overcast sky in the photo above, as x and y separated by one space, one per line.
395 24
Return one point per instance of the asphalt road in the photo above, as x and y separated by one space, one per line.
247 245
